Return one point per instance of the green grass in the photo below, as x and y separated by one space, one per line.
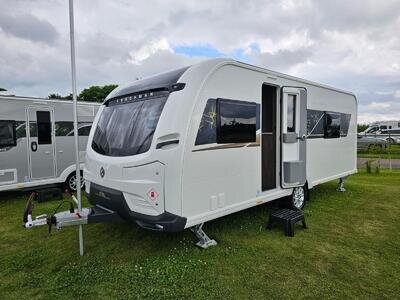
351 250
392 151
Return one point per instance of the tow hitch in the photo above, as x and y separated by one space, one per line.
71 217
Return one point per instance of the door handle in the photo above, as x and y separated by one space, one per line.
34 146
46 152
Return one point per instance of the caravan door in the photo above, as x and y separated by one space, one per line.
293 136
41 142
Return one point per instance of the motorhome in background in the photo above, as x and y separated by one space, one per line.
388 130
43 153
177 149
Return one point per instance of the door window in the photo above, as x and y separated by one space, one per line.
43 127
291 113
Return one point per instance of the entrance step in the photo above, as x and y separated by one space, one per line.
288 218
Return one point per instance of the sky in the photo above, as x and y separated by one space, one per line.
352 45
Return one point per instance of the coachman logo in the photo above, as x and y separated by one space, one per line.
102 172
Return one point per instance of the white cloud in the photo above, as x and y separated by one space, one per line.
352 45
144 52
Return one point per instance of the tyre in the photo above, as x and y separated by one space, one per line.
70 183
390 140
298 198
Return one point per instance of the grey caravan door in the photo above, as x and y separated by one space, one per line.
41 142
293 136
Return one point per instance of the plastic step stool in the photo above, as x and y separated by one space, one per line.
288 218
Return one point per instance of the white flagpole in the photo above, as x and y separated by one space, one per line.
73 71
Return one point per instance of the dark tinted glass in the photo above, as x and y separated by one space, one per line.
207 133
43 127
315 123
84 131
127 129
63 128
20 129
344 124
332 125
7 134
236 121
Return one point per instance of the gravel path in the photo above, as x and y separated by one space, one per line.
384 162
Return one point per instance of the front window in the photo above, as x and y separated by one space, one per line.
126 127
372 129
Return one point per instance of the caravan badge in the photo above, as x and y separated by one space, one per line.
102 172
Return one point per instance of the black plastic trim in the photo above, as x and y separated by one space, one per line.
162 144
115 201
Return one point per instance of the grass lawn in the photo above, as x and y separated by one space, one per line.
351 249
393 151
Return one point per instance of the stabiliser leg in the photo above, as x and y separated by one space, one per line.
204 241
340 187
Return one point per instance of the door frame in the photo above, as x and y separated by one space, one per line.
281 136
277 135
28 137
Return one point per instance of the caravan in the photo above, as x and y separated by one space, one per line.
42 153
181 148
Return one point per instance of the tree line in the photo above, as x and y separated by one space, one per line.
94 93
97 93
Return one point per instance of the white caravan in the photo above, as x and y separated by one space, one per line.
178 149
388 130
43 153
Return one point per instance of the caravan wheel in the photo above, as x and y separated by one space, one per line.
298 198
70 183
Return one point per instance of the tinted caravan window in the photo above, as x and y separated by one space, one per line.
332 125
315 123
236 122
207 133
7 134
84 131
43 127
344 124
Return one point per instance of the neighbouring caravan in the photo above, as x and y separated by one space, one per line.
178 149
43 153
388 130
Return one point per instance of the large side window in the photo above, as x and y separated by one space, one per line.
43 127
7 134
236 121
332 125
